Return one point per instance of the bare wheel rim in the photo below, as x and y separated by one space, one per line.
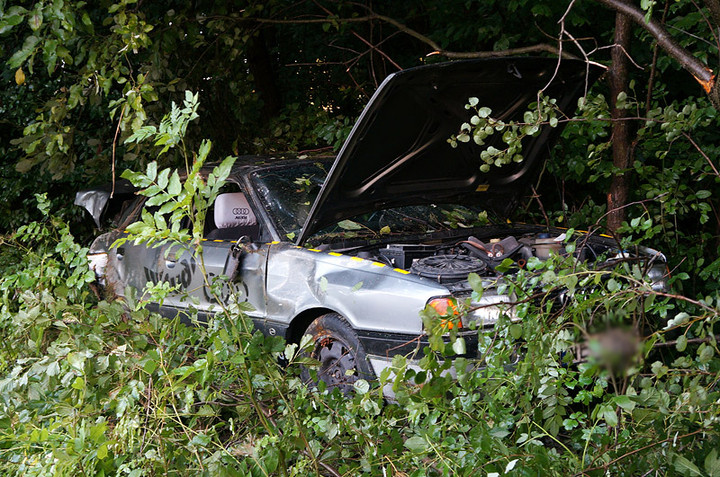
336 358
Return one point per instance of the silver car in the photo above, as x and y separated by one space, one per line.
350 249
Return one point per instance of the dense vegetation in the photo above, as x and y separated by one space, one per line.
97 387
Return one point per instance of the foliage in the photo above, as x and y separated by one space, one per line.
482 126
589 371
109 388
103 387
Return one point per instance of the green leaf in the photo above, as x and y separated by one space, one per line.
685 467
416 444
504 265
610 416
152 170
349 225
458 346
271 459
705 353
625 402
102 451
78 384
17 59
36 19
361 386
475 282
712 463
681 343
174 186
201 440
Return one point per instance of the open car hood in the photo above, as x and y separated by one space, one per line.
398 153
99 200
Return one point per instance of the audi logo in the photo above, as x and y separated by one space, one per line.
241 211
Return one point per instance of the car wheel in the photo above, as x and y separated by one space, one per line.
342 357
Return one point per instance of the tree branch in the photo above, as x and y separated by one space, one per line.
695 67
437 49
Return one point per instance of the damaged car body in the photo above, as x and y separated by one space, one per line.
350 249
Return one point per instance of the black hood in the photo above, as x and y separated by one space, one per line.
398 152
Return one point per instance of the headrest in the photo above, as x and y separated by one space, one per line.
233 210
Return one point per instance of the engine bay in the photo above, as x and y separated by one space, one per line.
451 260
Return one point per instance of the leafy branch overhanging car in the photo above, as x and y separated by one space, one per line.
349 250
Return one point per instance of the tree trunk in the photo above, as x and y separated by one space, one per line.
621 143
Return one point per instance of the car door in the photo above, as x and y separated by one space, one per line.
231 264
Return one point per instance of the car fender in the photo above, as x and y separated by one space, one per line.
370 295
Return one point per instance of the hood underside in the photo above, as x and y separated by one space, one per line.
398 152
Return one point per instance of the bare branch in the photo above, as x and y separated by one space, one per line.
437 50
695 67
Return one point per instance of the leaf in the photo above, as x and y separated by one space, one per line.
22 54
511 465
361 386
385 230
152 170
271 459
685 467
174 186
416 444
484 112
357 286
609 415
349 225
201 440
475 282
78 384
323 284
681 343
36 19
19 76
625 402
102 451
459 346
712 464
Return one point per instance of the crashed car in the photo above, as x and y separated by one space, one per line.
350 249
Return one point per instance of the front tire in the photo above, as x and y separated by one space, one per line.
342 357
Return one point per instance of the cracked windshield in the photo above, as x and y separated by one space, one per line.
288 194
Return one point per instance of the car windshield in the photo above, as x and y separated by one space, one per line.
404 221
288 192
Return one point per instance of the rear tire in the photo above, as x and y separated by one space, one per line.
342 357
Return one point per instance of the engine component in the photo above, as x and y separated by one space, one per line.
402 255
544 243
447 268
496 251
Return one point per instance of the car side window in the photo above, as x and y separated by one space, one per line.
231 216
